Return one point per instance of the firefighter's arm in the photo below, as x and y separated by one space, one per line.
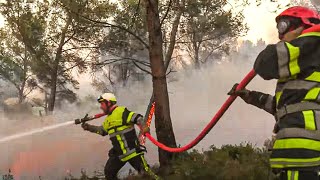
99 115
137 119
258 99
94 129
266 64
261 100
281 60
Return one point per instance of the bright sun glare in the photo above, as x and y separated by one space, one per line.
261 23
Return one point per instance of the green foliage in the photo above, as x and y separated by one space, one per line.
7 176
230 162
15 63
84 176
57 40
206 27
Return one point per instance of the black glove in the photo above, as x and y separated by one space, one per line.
85 126
242 93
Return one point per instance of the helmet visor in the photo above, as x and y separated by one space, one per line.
100 99
283 26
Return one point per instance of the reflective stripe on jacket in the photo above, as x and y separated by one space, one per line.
296 65
120 127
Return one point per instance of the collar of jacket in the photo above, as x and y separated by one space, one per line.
112 109
315 28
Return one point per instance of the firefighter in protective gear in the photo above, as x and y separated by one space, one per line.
119 125
295 63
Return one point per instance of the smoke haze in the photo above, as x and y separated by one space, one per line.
195 96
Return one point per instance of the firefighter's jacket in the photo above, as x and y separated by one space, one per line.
296 104
119 125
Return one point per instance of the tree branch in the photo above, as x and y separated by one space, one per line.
81 47
69 38
141 68
166 14
109 25
122 59
173 34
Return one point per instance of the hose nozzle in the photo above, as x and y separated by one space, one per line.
82 120
77 121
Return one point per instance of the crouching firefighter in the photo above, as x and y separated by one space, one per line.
295 63
119 125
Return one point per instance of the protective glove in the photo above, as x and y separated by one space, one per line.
85 126
242 93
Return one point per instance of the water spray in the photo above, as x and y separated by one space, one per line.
20 135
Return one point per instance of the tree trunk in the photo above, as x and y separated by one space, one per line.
24 77
196 46
20 95
163 123
55 69
196 57
53 89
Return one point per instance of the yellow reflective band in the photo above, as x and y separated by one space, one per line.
111 131
309 121
310 34
148 170
315 76
278 95
130 156
312 94
289 174
119 129
292 175
292 160
145 165
294 54
297 143
121 144
285 163
296 175
123 128
129 117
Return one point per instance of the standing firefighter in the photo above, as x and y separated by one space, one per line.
119 125
295 63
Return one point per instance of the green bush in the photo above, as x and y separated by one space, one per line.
230 162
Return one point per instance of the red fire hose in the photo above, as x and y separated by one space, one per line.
212 123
